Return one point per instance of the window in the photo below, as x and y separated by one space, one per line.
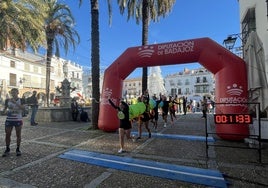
171 82
12 64
187 82
197 79
26 80
173 91
43 70
35 68
27 67
52 84
197 89
12 79
43 83
204 79
205 89
248 24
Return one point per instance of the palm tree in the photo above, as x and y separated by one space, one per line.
145 10
21 24
95 61
59 29
95 58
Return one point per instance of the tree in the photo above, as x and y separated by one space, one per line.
60 32
145 11
95 58
21 24
95 61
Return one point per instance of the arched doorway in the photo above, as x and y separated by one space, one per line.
41 96
27 94
229 70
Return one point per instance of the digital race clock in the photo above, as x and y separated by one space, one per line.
233 119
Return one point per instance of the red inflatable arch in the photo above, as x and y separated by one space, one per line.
229 70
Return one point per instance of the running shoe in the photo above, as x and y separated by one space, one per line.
6 153
18 152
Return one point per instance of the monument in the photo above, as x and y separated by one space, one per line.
156 82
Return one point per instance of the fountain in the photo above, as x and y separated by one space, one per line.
63 112
65 99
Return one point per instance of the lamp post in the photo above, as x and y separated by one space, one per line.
21 82
229 43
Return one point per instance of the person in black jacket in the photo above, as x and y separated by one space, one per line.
155 112
33 102
165 109
74 109
125 124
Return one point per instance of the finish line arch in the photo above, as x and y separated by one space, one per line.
229 70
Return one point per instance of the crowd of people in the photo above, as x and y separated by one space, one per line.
153 107
78 113
164 106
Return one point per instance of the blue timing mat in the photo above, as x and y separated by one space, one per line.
176 136
164 170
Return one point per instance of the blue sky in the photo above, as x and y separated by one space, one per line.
189 19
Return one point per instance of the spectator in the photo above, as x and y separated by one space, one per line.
13 108
204 107
33 103
184 104
74 109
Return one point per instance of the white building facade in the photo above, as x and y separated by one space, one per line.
27 72
132 88
194 83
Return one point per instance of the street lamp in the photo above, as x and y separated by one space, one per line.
229 42
22 80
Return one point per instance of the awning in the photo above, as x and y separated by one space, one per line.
257 80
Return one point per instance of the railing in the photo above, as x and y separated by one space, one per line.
254 137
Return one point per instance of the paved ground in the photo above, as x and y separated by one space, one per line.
40 166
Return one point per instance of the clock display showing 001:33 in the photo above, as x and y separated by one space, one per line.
233 119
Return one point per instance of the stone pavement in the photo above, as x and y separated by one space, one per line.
40 166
